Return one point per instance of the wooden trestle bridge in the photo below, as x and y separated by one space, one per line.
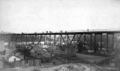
97 42
90 42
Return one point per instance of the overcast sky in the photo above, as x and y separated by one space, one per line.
56 15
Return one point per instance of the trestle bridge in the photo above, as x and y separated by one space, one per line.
89 42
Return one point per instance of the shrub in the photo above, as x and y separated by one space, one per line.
35 69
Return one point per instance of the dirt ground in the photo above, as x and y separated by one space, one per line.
81 66
63 67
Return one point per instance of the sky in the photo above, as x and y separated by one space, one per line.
55 15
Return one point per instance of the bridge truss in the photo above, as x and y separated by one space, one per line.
91 42
96 42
